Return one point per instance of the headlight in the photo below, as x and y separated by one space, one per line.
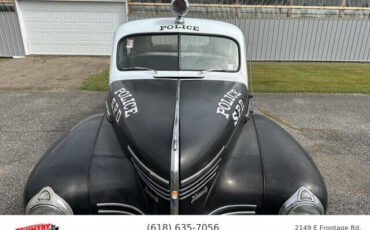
302 202
47 202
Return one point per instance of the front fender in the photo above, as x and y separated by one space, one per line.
262 168
65 166
286 166
239 187
90 171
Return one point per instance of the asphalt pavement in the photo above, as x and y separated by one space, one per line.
333 128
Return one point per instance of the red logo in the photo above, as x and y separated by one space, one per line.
40 227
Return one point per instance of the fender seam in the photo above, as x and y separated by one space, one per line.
92 154
263 171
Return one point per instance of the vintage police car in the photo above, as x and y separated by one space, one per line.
178 135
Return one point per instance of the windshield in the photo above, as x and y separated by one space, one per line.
178 52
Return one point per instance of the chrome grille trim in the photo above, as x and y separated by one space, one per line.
246 208
163 189
189 193
119 207
212 170
160 193
153 174
199 180
153 181
200 172
114 212
240 213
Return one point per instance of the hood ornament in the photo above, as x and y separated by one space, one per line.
179 8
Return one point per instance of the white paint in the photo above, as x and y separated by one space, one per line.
156 26
21 26
128 102
70 27
238 111
226 103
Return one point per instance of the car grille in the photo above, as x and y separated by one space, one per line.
196 182
156 183
188 187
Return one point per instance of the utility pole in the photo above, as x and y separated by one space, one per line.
290 9
341 12
236 8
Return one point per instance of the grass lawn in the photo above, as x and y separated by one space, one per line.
311 77
97 83
291 77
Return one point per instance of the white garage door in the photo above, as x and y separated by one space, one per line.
71 28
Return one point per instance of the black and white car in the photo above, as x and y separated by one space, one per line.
178 135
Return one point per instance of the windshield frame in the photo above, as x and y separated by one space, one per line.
178 49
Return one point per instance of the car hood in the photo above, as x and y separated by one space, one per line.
144 111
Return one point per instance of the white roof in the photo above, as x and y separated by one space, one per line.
168 25
191 25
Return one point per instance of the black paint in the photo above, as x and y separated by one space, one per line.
261 165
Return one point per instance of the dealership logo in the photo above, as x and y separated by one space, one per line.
40 227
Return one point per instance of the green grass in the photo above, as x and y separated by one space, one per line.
309 77
97 83
294 77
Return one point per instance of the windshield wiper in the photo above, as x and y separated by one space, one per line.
216 70
139 68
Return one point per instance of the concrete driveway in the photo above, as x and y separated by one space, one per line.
333 128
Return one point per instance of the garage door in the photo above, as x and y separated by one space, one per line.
71 28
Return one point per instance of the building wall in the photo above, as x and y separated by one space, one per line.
307 39
71 27
304 39
275 39
11 43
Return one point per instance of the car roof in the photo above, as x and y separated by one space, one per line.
168 25
191 26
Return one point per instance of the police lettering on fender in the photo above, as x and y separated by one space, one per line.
128 103
226 102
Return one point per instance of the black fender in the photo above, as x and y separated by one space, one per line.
239 186
286 166
87 167
262 168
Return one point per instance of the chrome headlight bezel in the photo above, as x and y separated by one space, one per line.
303 198
48 200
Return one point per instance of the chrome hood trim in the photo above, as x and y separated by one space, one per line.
175 157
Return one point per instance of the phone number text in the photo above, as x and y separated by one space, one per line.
164 226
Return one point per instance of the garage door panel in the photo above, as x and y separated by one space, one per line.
71 28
